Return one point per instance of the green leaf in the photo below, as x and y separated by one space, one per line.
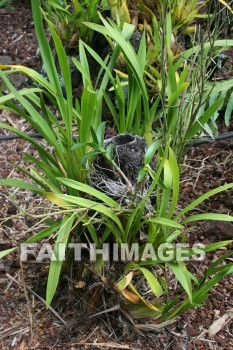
212 269
199 200
65 70
142 173
133 222
90 190
125 281
166 194
150 152
22 92
152 281
173 236
56 265
100 133
198 125
6 252
195 49
46 52
207 286
88 104
165 222
127 50
39 148
88 204
229 109
183 276
216 245
48 231
35 76
169 30
175 182
20 184
208 216
35 119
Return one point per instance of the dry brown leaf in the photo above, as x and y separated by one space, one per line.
152 326
80 285
218 324
22 345
130 296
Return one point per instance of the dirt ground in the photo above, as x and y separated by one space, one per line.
25 323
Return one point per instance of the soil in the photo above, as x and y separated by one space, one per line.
25 323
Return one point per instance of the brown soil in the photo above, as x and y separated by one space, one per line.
25 323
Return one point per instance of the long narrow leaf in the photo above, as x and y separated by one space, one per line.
199 200
56 265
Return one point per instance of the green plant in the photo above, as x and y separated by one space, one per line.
183 13
63 161
6 3
161 224
119 10
67 18
221 90
179 106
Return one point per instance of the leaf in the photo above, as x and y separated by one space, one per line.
131 296
102 63
165 222
124 282
55 266
20 184
166 194
100 133
169 30
213 267
90 190
219 86
150 151
208 216
35 119
141 174
207 286
127 50
229 110
48 231
207 46
133 222
35 76
22 92
173 236
199 200
183 276
147 303
65 70
49 170
226 5
46 52
174 167
54 198
221 322
216 245
88 104
198 125
6 252
84 203
152 281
